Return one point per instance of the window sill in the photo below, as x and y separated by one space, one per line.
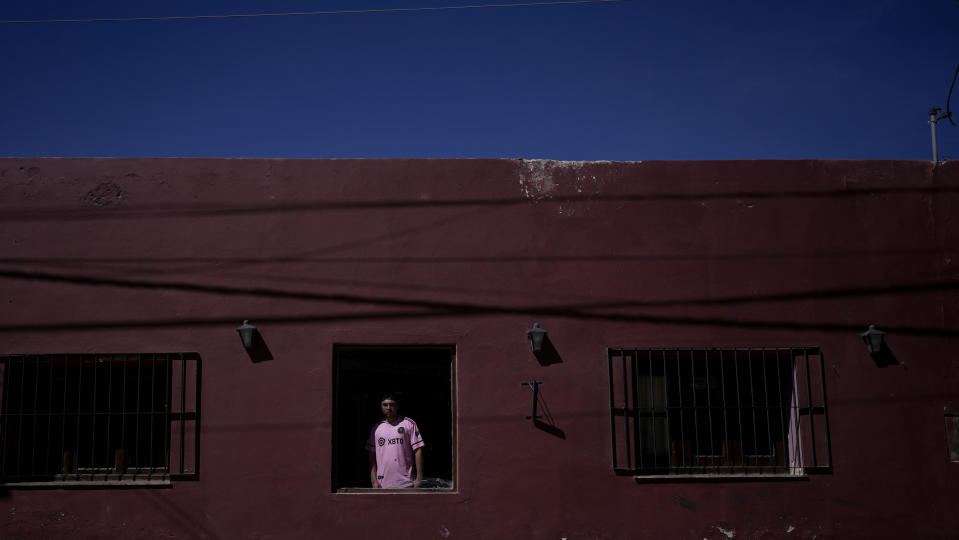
667 478
403 491
89 484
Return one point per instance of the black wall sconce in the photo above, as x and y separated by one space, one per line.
875 341
247 334
536 337
253 342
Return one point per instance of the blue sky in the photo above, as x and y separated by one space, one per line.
633 80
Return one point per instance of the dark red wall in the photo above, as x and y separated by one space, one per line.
802 252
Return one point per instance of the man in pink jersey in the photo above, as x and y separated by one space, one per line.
394 446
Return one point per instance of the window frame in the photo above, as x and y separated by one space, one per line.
794 455
449 353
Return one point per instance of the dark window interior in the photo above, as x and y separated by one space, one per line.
423 377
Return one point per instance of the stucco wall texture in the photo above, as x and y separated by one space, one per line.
148 255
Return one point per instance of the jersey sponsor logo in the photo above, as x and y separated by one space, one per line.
381 441
396 440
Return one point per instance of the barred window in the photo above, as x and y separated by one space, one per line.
88 418
756 411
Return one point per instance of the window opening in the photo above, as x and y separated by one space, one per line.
424 377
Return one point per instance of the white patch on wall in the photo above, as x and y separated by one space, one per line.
540 178
730 533
574 182
536 177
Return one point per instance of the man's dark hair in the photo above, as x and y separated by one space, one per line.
391 396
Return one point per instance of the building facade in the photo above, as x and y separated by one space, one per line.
703 373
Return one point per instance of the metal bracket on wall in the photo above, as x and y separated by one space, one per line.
535 386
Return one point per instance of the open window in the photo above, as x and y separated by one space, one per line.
718 412
99 419
424 377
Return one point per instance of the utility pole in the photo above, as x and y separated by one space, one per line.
934 118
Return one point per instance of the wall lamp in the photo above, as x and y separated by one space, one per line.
536 337
879 350
874 340
253 343
248 334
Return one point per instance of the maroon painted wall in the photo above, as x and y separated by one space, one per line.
804 252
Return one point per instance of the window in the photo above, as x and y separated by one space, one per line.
952 437
424 377
99 418
718 411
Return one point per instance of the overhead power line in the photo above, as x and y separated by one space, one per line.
948 112
306 13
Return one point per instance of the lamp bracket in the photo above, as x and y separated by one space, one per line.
535 386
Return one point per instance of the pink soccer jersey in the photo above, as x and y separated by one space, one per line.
394 445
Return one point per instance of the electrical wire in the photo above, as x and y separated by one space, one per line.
306 13
949 96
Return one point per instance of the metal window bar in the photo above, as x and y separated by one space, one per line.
727 461
79 415
109 411
182 408
825 411
4 422
108 430
773 448
136 423
795 419
752 401
812 422
781 460
654 449
167 408
709 413
692 381
20 415
63 420
652 411
46 454
629 438
739 406
153 368
93 420
638 446
682 414
665 407
612 407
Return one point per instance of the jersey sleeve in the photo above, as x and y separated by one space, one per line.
416 440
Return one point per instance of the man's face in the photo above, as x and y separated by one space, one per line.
390 409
